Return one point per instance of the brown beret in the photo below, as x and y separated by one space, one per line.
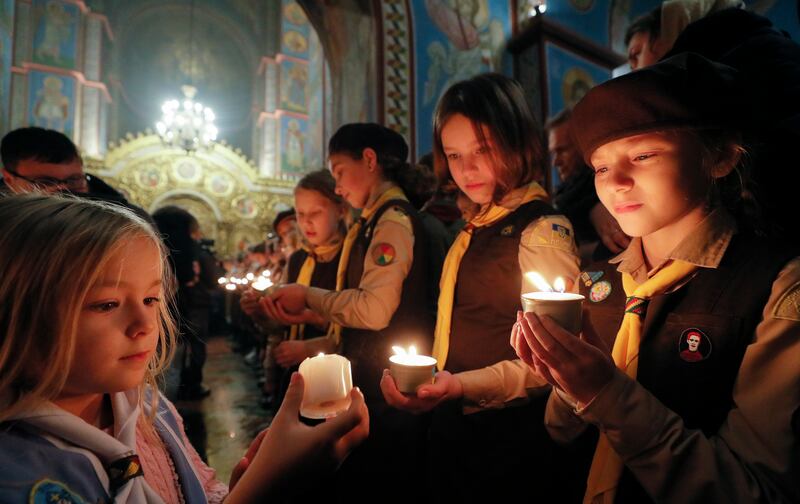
686 90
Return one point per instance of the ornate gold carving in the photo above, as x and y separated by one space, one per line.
220 187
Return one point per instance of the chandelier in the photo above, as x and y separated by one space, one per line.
188 125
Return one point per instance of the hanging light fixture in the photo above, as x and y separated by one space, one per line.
188 125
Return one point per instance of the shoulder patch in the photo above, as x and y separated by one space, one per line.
383 254
590 277
47 491
788 306
552 231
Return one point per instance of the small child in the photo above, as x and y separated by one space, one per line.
85 328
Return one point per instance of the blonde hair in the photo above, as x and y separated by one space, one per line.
52 250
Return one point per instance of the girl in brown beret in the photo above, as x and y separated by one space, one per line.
687 362
486 143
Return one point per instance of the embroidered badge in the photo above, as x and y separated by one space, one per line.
507 231
590 277
788 307
122 470
600 291
560 235
636 305
383 254
47 491
694 345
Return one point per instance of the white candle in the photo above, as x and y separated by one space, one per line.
410 370
328 381
565 308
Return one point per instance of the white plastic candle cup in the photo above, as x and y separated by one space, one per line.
328 382
411 371
565 308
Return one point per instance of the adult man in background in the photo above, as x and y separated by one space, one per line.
38 159
576 196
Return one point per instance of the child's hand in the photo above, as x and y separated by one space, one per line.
295 456
445 387
249 302
292 297
289 353
244 463
581 367
279 313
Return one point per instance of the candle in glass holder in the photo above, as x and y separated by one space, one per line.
410 370
328 381
565 308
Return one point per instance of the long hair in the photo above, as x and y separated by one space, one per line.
52 251
389 146
498 103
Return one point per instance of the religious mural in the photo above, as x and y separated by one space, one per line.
6 47
569 78
294 86
295 30
456 39
55 35
51 101
317 139
292 138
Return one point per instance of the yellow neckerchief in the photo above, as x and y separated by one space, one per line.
393 193
296 331
601 486
447 284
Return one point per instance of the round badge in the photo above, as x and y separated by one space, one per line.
694 345
383 254
600 291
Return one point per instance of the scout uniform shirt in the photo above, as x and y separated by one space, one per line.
545 245
487 291
384 299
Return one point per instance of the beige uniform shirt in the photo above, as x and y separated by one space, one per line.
547 246
373 303
755 456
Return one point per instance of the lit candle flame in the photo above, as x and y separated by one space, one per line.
559 285
262 284
399 350
222 280
412 350
538 281
250 276
230 286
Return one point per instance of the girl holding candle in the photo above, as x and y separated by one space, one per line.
320 218
85 329
380 298
699 400
486 141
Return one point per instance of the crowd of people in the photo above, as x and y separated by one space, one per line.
673 219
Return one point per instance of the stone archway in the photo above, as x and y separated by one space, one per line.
219 186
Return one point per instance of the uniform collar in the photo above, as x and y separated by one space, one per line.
705 246
376 193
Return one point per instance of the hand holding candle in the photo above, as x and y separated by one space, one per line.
328 381
564 307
